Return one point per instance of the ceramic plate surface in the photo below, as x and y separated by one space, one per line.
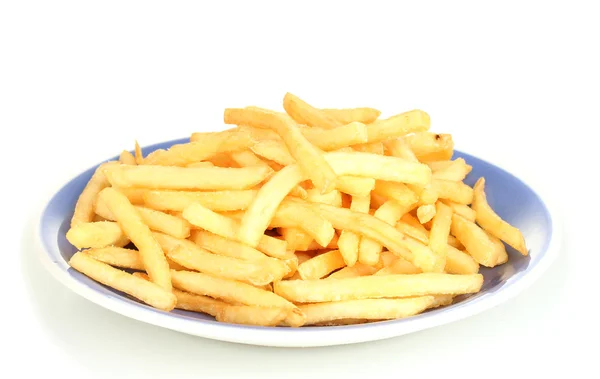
513 199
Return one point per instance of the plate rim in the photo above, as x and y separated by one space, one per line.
295 337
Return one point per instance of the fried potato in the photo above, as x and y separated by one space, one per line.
297 239
399 266
440 230
145 291
459 262
461 209
475 240
354 185
234 291
273 150
127 158
96 235
308 157
250 315
456 171
454 191
117 257
321 265
224 246
349 241
398 147
201 164
370 309
84 208
371 148
398 125
293 215
139 156
373 287
348 115
337 138
398 192
426 212
431 146
501 254
246 158
332 198
137 231
358 269
494 224
217 201
303 113
186 178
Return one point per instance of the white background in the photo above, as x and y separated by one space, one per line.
515 83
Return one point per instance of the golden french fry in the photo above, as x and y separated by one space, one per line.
193 257
398 147
249 315
297 239
459 262
494 224
399 266
348 115
127 158
372 148
193 302
186 178
355 186
333 197
138 232
200 164
303 113
155 220
461 209
96 235
438 165
308 157
370 309
223 160
135 195
398 192
337 138
475 240
370 287
426 212
387 235
456 171
204 218
224 246
234 291
419 234
452 241
201 149
440 230
215 200
293 215
349 241
84 208
117 257
398 125
275 151
441 300
321 265
454 191
358 269
431 146
427 194
145 291
139 157
501 254
313 245
246 158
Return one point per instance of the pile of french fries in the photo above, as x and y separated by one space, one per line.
307 216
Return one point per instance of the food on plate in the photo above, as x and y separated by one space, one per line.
302 216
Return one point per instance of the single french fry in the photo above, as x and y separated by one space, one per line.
303 113
135 195
387 235
419 234
145 291
427 194
349 241
475 240
398 192
337 138
215 200
454 191
201 164
501 254
355 186
224 246
246 158
321 265
201 149
313 245
494 224
378 286
399 266
440 230
297 239
192 302
303 256
452 241
308 157
139 156
348 115
441 300
193 257
390 212
459 262
461 209
425 213
293 215
204 218
155 220
96 235
250 315
439 165
127 158
84 208
370 309
398 147
186 178
234 291
117 257
431 146
372 148
223 160
333 197
398 125
456 171
273 150
137 231
358 269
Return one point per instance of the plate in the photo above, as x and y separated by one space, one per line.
513 199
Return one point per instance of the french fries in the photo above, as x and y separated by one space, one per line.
290 218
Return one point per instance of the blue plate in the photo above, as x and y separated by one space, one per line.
510 197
